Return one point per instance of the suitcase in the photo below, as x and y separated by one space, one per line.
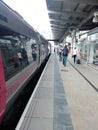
78 61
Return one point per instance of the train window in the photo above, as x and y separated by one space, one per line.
17 53
42 49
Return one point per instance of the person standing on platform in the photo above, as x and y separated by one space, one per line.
65 54
74 54
20 58
25 57
60 55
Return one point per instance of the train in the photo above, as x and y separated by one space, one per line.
22 51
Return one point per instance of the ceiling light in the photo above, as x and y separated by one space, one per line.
95 14
95 19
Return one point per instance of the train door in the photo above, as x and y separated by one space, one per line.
2 90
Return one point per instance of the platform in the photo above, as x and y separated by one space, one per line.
63 100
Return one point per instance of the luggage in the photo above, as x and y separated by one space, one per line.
78 61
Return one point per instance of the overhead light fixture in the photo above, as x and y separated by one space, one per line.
96 13
95 19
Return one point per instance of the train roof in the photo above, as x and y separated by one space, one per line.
12 23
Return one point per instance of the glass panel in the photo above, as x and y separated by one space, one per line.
95 56
17 53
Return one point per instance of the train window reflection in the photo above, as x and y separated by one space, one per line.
16 53
34 52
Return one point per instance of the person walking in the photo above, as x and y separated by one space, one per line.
60 55
65 54
74 54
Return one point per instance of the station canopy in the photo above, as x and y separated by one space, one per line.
68 15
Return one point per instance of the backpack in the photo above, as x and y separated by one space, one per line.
24 53
33 52
65 52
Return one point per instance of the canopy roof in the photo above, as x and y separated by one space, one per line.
68 15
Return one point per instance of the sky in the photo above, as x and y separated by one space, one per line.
34 12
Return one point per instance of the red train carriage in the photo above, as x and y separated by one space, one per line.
2 90
22 51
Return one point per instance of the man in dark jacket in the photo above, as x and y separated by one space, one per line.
65 54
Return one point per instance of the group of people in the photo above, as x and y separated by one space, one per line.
63 54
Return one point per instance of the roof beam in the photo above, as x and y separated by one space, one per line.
57 25
72 13
91 2
56 30
64 20
55 40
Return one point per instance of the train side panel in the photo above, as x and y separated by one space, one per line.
2 90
